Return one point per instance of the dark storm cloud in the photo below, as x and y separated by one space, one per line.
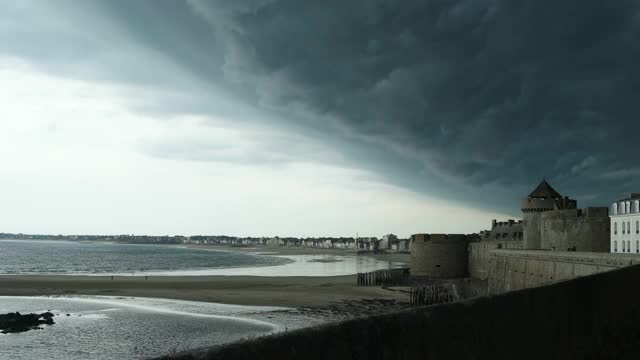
471 100
488 92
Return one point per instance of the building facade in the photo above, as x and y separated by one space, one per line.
625 225
510 230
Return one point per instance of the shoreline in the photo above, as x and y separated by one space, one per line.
300 262
288 291
303 301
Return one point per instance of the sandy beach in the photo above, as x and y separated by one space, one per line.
241 290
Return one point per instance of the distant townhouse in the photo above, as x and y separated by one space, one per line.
388 241
368 243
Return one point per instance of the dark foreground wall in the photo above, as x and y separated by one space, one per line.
593 317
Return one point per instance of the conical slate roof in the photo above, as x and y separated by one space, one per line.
545 191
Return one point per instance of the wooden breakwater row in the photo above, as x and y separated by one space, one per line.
432 294
391 277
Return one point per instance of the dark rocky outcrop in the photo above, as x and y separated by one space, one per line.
16 322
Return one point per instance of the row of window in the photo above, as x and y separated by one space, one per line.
626 227
625 207
626 246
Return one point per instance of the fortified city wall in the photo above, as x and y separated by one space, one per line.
585 229
503 235
439 255
518 269
480 255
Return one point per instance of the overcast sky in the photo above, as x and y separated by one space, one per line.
307 118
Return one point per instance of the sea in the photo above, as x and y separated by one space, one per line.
52 257
104 327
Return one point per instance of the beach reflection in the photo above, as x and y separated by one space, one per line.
301 265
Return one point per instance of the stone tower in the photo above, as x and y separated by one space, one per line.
543 198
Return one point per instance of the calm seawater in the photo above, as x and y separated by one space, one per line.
68 257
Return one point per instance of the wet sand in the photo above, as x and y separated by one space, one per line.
242 290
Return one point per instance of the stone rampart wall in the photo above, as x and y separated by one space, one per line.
480 256
518 269
440 256
586 230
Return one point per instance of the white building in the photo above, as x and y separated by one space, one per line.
625 225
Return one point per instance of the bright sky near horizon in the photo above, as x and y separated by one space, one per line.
77 158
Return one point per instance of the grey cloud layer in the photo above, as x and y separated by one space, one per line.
490 92
454 98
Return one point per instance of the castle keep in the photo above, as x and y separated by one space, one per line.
551 222
543 199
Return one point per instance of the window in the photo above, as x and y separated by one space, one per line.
623 246
615 228
628 227
615 246
637 227
623 228
637 246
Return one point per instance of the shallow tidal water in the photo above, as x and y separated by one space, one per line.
131 328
